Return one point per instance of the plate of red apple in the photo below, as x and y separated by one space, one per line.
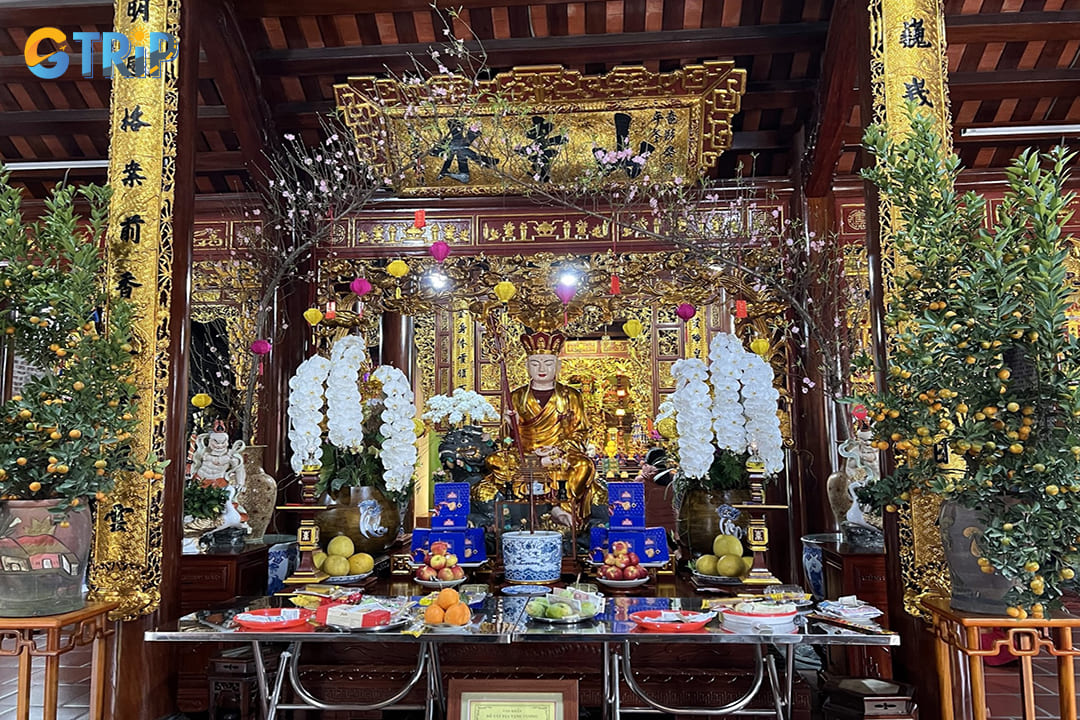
622 568
440 568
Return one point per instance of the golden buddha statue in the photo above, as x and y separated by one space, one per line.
552 427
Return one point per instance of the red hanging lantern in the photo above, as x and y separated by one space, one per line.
566 293
740 309
360 286
439 250
685 311
616 287
418 219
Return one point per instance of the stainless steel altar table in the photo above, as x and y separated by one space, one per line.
501 621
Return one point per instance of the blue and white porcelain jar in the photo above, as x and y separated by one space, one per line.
532 557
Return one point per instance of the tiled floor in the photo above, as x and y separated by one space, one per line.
1002 683
73 693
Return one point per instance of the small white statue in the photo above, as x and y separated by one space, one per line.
214 462
861 469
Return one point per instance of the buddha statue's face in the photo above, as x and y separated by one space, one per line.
543 370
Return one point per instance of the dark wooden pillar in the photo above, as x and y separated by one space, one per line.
145 684
396 346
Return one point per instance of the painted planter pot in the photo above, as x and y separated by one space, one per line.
42 563
813 560
532 557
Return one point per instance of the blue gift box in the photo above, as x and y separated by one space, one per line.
598 544
626 505
475 549
655 550
454 539
451 505
634 538
419 547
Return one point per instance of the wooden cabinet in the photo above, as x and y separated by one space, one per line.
858 571
216 577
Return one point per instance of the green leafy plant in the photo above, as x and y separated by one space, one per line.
980 360
727 472
69 430
203 502
343 469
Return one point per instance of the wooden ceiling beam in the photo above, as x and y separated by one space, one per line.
239 85
94 123
13 70
1008 84
205 162
253 9
616 48
835 98
1027 26
35 13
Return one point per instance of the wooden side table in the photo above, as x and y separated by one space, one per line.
217 576
858 571
958 633
88 626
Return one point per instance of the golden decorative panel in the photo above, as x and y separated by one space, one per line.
465 144
126 564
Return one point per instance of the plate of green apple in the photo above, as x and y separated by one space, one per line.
558 612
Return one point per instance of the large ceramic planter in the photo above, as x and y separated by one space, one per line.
42 564
704 514
532 557
972 589
365 515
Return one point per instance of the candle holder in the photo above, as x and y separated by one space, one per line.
758 531
307 535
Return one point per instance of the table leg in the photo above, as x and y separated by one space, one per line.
605 709
1066 675
26 669
99 666
774 685
275 696
52 675
616 711
789 677
977 676
1027 676
944 666
260 680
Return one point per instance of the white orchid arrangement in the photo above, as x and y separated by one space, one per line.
739 416
460 406
305 412
399 446
370 442
693 416
344 405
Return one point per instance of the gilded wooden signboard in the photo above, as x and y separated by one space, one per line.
538 125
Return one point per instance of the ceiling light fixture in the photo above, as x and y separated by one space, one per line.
55 165
1020 131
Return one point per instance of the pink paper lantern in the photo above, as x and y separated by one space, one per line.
360 286
565 292
261 347
439 250
685 311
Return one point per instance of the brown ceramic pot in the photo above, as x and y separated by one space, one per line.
704 514
42 563
365 515
259 497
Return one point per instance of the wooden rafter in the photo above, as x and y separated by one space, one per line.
239 85
835 98
622 48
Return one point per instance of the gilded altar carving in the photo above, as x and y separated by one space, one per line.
680 120
126 565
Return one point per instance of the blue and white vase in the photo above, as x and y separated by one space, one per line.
813 559
532 557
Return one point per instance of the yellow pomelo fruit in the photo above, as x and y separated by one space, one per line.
342 546
730 566
726 545
361 563
318 557
749 563
336 565
706 564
